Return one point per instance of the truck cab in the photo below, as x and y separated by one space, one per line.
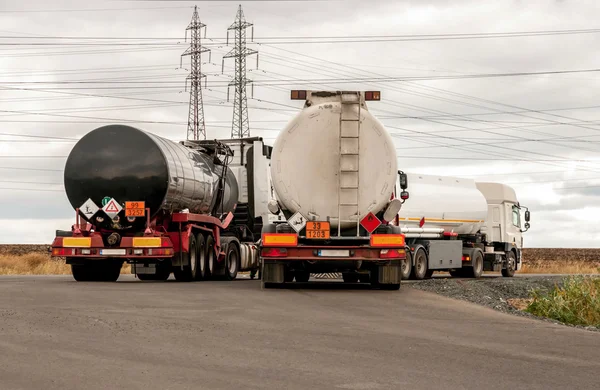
507 220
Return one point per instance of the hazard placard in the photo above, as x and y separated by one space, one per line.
112 208
135 209
370 222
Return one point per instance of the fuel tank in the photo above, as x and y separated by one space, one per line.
128 164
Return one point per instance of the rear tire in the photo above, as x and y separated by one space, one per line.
110 272
202 272
419 271
476 270
302 276
511 265
211 257
187 273
406 266
82 273
350 277
232 261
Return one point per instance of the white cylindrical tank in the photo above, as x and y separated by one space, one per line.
454 204
305 162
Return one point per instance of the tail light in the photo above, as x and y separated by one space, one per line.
466 258
160 252
64 252
392 254
274 252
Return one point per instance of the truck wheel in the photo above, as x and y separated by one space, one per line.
82 273
350 277
406 266
188 272
110 272
201 273
210 256
232 261
302 276
419 270
511 265
477 269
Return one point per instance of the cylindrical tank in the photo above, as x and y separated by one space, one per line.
129 164
305 163
451 203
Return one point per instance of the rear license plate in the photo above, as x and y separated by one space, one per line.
319 230
113 252
334 253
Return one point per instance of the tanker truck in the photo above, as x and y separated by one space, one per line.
193 208
461 226
334 172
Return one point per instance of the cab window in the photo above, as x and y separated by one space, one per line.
516 218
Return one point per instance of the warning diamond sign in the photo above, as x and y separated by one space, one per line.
370 222
112 208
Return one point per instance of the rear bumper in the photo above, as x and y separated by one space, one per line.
338 253
93 248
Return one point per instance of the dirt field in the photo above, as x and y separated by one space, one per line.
535 260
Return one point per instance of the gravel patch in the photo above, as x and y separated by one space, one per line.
493 292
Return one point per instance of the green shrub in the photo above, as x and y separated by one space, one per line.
576 302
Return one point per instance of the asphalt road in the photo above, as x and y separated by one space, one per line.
59 334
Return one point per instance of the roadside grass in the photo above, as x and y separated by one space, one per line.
38 264
576 302
572 267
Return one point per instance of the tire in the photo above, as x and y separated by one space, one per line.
187 273
302 276
419 270
211 257
406 266
350 277
110 272
476 270
82 273
511 265
202 271
232 261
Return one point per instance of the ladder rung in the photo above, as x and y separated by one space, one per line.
349 188
348 154
345 137
349 170
350 120
348 204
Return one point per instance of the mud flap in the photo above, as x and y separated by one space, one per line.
273 272
389 274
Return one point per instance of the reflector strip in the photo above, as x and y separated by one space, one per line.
279 239
77 242
387 240
146 242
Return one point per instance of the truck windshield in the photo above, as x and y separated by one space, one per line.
516 216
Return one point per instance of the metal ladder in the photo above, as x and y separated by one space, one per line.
348 177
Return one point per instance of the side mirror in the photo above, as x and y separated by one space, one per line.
527 216
403 180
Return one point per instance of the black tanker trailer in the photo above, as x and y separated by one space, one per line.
193 208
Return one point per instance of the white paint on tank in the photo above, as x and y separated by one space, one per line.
454 204
306 163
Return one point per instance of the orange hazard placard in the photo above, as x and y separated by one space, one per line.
135 209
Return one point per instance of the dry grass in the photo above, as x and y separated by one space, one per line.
38 264
572 267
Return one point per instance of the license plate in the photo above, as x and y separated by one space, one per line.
334 253
113 252
319 230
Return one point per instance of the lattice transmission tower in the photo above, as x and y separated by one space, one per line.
240 126
196 126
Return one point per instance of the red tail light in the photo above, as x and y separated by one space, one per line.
62 252
274 252
392 254
466 258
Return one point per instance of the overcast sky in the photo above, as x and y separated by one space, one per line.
538 133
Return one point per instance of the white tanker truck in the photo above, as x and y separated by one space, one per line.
461 226
335 179
334 173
